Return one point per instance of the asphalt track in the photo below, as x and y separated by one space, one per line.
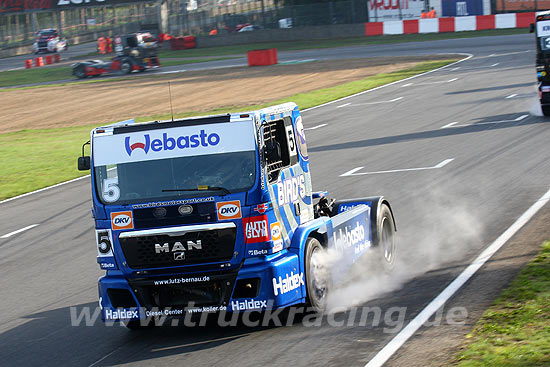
456 151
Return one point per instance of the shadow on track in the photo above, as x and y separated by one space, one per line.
439 133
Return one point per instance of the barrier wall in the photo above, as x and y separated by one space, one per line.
452 24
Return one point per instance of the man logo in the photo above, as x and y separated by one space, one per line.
229 210
122 220
179 256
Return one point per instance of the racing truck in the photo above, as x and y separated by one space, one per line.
217 214
542 29
134 52
48 40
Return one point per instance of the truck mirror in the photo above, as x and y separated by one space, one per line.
531 27
84 163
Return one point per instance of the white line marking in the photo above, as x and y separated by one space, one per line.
378 102
468 56
344 105
315 127
495 64
506 54
452 124
438 82
19 231
521 117
406 85
354 172
43 189
453 69
449 125
511 96
385 353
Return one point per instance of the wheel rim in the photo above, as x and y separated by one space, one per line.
318 277
125 68
386 240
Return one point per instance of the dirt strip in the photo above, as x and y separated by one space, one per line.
98 103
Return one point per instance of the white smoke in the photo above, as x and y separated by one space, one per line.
443 229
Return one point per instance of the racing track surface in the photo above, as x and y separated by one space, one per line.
487 166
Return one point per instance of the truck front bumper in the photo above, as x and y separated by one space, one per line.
261 283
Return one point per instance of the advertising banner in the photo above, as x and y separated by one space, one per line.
14 6
381 10
462 8
525 5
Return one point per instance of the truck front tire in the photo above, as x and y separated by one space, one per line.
317 275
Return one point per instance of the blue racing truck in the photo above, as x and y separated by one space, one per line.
217 213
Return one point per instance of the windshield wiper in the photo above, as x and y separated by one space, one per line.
202 188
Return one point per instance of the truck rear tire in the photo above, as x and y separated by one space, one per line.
385 239
546 110
317 275
125 67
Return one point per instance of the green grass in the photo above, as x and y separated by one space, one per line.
354 41
50 74
30 76
515 331
33 159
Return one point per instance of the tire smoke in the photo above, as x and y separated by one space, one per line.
443 230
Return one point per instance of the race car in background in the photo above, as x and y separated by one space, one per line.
48 40
136 51
542 29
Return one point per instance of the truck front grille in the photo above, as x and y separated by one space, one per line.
168 251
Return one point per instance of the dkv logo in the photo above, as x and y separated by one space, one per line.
201 139
229 210
122 220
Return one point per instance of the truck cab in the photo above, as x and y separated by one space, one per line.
217 213
542 29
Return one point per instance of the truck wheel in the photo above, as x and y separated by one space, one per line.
80 72
125 67
385 241
546 110
317 275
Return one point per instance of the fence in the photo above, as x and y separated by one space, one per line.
199 17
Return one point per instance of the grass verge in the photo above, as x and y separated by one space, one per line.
13 78
331 43
33 159
515 331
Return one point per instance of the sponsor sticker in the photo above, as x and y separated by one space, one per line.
256 229
248 304
229 210
291 189
261 208
275 231
545 88
289 283
278 246
302 146
122 220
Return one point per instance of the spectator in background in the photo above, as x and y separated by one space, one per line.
431 13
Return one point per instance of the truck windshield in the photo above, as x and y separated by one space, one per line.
183 177
156 162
